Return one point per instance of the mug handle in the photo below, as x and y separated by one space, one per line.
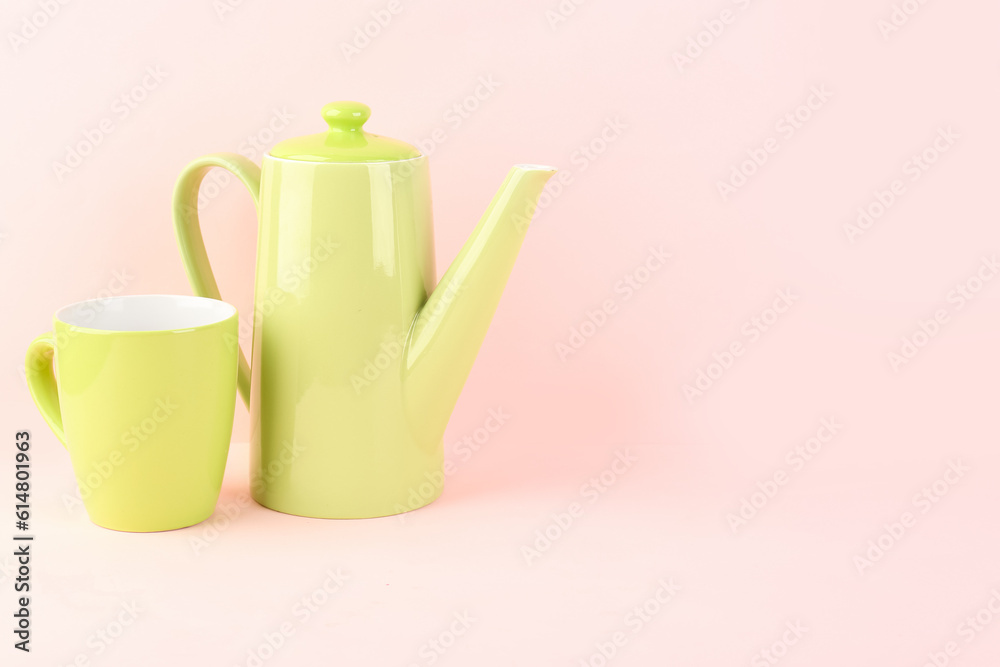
42 382
188 231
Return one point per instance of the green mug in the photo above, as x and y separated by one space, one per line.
141 391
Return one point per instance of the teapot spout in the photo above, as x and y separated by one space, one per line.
447 332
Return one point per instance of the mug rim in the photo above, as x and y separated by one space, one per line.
226 312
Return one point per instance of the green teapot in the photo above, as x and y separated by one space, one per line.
357 358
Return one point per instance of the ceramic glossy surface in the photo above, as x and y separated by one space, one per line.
345 140
357 359
144 404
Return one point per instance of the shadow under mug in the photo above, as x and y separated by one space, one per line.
141 391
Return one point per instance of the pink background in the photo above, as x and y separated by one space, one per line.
681 131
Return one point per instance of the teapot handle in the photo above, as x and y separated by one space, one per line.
188 231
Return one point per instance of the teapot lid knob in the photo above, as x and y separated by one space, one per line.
345 141
346 116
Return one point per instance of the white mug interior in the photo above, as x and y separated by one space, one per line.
148 312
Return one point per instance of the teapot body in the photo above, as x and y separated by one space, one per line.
359 355
345 260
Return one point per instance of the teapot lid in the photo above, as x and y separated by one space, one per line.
345 140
